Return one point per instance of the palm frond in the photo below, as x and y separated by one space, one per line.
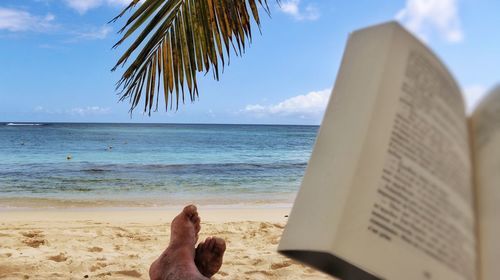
176 39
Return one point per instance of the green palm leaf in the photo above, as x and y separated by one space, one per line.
176 39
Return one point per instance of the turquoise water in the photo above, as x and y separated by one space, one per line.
152 163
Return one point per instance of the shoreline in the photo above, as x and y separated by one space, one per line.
208 213
47 203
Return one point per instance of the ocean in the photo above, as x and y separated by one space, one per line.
107 165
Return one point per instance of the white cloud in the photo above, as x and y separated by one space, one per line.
425 17
15 20
78 111
473 95
89 110
292 7
39 109
82 6
119 2
94 34
308 105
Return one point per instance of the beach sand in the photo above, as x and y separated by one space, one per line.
122 243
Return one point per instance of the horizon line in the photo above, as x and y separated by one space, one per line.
156 123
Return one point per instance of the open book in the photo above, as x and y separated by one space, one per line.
401 184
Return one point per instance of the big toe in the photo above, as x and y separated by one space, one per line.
209 255
192 214
219 246
190 211
214 246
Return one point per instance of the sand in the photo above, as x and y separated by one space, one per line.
121 243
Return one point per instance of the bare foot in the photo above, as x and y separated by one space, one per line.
209 255
177 261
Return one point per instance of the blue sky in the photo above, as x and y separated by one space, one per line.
56 56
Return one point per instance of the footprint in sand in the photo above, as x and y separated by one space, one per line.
280 226
257 262
95 249
32 234
98 266
266 273
264 227
103 275
280 265
131 273
58 258
34 238
34 242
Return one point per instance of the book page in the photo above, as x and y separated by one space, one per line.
411 204
485 123
317 211
409 212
